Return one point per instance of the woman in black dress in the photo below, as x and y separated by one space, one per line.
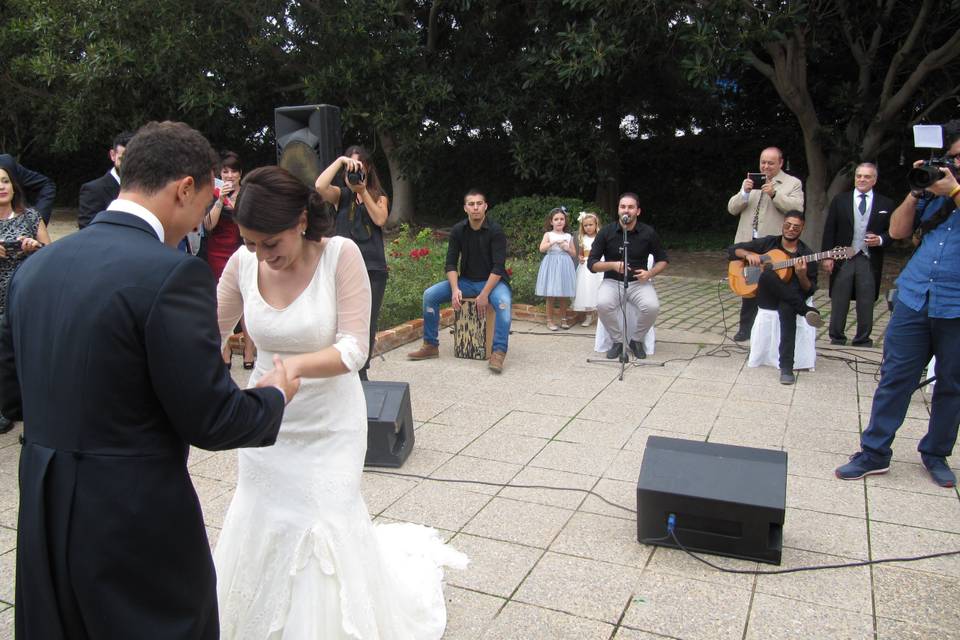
362 210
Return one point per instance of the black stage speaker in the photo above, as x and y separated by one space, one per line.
389 423
727 500
308 139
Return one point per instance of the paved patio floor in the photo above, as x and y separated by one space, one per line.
562 564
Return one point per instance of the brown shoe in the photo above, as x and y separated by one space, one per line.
496 361
425 352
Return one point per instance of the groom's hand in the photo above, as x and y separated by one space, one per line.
280 379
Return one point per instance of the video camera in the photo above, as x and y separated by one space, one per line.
931 137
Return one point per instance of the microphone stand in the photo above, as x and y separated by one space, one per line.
624 340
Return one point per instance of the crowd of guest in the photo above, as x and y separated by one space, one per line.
602 269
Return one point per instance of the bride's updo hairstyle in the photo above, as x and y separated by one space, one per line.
272 200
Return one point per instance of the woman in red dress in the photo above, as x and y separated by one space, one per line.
223 237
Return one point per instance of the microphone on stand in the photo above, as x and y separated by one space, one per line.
625 219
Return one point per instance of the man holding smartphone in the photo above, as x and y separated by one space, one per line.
761 202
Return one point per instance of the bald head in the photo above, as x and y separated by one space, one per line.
771 161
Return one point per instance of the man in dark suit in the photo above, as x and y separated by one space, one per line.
39 189
111 540
861 219
97 194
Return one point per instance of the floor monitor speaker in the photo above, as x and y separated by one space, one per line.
389 423
727 500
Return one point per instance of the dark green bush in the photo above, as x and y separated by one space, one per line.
523 219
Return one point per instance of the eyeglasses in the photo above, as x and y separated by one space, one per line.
789 225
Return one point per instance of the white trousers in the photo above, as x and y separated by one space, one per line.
640 295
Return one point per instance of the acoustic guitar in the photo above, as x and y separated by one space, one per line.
743 278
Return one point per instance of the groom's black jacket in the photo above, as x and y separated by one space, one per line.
110 349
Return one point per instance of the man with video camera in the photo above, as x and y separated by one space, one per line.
925 322
761 202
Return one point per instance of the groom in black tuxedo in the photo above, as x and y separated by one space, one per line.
96 195
861 219
110 352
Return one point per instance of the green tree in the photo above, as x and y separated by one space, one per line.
853 73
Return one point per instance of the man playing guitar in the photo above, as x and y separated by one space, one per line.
786 297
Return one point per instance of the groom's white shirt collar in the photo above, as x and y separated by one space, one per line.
134 209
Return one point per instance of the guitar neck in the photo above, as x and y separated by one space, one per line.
814 257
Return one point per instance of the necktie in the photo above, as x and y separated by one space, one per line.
863 203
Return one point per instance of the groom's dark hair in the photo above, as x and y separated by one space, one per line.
161 152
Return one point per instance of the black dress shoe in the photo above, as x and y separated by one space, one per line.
5 424
863 343
615 351
741 336
838 341
638 351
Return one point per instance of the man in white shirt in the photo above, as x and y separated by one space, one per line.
97 194
859 219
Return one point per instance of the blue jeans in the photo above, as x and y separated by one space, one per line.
911 338
440 293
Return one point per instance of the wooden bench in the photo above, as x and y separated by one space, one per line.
472 332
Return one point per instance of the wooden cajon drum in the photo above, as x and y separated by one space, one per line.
473 333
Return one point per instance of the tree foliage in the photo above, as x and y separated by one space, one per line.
533 96
853 73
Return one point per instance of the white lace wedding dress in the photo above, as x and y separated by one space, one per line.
298 557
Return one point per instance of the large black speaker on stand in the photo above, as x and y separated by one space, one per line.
308 139
389 423
726 500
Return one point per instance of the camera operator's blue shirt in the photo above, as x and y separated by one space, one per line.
933 272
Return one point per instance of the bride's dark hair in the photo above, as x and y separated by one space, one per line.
272 200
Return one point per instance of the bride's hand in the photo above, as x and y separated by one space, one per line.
280 379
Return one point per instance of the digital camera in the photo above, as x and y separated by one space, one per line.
356 177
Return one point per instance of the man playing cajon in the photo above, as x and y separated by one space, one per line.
479 246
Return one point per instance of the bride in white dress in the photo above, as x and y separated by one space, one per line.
298 557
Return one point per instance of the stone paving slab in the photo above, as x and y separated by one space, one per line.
564 564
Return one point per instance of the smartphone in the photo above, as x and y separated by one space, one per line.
759 179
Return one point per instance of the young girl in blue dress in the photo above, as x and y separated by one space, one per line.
557 278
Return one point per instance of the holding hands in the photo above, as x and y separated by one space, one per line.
27 245
946 185
356 179
456 299
281 379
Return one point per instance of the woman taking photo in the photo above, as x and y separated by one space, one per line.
223 237
21 233
362 210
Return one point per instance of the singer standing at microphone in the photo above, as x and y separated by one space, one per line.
860 219
761 208
606 256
